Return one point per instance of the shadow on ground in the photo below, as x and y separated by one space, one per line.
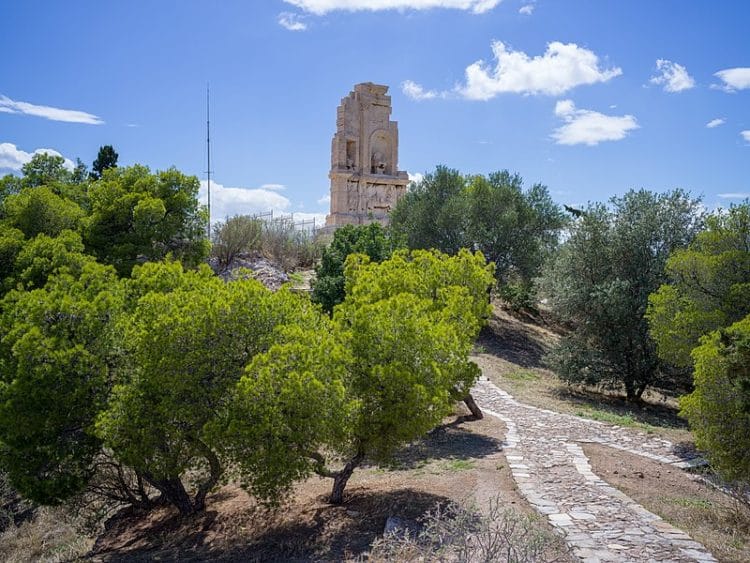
321 532
512 344
447 442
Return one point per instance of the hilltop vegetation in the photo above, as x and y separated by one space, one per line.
132 375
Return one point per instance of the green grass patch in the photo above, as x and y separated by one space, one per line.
627 420
692 502
522 375
457 465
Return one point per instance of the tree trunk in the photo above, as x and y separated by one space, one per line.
473 407
174 492
215 474
341 478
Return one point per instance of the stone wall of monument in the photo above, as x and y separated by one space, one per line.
365 180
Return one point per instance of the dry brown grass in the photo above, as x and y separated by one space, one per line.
50 537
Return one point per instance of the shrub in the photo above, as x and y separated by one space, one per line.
455 532
238 234
719 409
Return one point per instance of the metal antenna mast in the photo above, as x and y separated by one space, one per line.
208 155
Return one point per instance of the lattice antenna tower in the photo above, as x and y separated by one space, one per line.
208 155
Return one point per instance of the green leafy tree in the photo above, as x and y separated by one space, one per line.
433 213
186 343
371 240
708 289
105 159
600 283
45 170
291 402
40 210
11 243
516 230
9 185
718 410
137 216
44 256
56 353
384 371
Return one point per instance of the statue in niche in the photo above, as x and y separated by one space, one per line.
378 163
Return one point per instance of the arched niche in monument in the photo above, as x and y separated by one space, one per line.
380 153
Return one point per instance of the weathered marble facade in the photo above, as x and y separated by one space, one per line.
365 180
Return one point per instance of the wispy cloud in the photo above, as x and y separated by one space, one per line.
325 200
586 127
526 10
55 114
715 122
13 158
563 66
672 76
416 92
273 187
321 7
734 195
734 79
292 22
746 135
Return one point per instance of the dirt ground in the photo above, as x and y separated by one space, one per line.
709 516
461 461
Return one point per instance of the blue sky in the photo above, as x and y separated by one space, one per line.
590 97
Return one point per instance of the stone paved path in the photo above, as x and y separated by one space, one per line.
599 522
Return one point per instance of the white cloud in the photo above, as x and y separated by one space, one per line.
226 202
673 76
588 127
55 114
416 177
416 92
735 195
526 10
325 200
292 22
746 135
715 122
273 187
562 67
320 7
13 158
734 78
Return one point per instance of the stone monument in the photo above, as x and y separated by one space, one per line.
365 179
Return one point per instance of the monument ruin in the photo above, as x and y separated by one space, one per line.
365 179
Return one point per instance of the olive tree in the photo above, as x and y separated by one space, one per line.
600 282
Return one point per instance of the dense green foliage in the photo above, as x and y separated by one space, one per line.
383 372
105 159
709 286
516 229
600 283
137 216
56 352
371 240
719 408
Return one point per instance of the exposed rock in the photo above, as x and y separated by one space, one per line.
258 266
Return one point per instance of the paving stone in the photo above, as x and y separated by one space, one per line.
600 522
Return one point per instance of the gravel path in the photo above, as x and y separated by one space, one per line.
599 522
